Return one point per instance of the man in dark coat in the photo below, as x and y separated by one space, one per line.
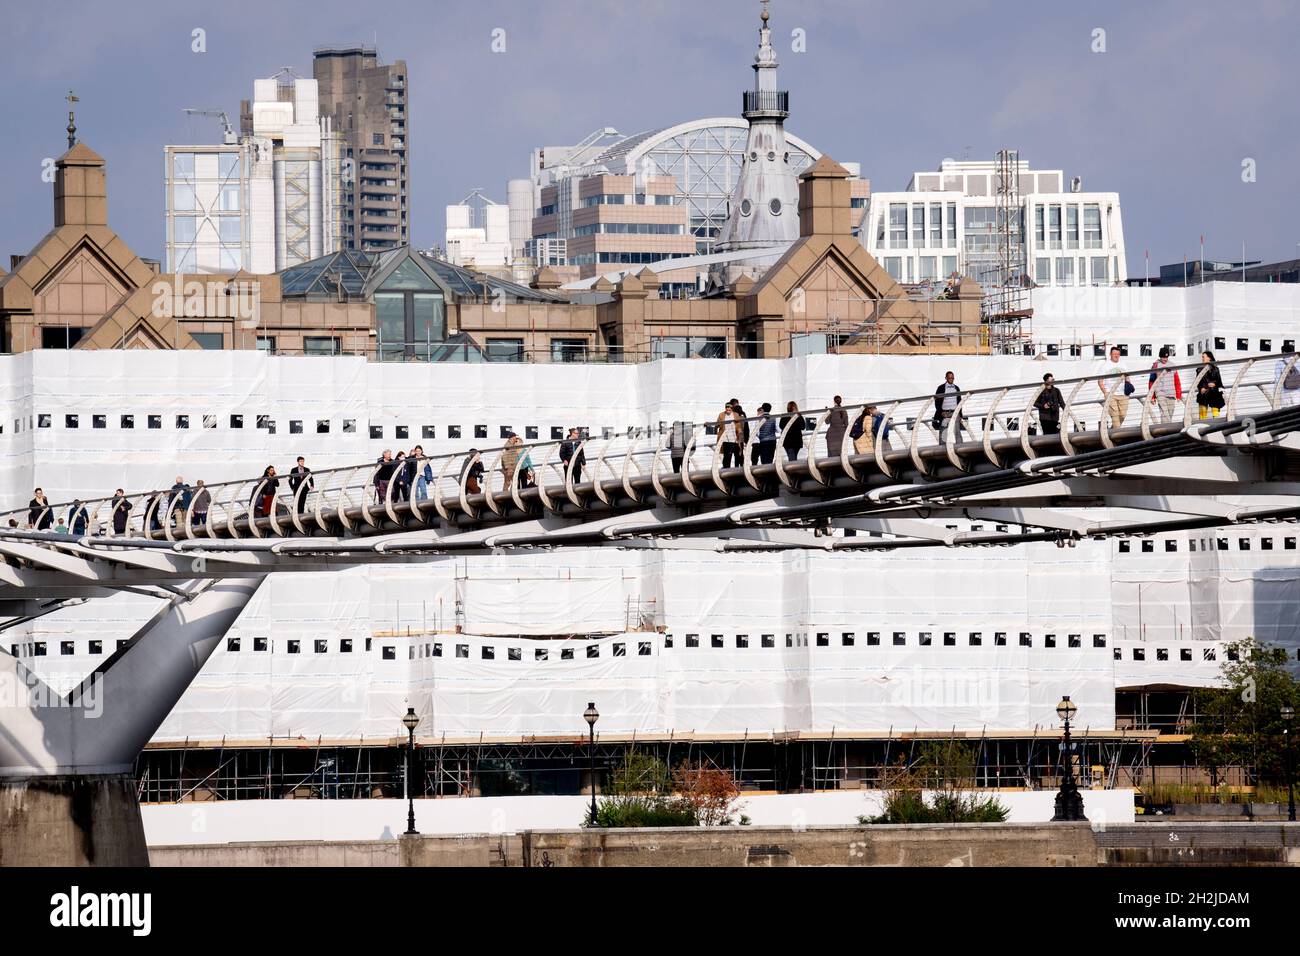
568 448
1049 404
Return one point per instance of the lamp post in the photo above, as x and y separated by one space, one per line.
591 715
1069 802
410 721
1288 714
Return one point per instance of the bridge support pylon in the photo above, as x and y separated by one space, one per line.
67 791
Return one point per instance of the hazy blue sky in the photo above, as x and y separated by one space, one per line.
1183 93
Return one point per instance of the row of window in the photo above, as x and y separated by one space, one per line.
1208 544
631 229
1151 349
298 426
644 648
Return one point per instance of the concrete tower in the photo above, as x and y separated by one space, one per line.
764 205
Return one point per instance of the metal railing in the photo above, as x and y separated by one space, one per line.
785 449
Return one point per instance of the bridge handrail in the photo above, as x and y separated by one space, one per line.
615 458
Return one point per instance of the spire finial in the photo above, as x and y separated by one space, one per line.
72 119
764 14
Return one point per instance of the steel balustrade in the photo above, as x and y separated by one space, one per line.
633 465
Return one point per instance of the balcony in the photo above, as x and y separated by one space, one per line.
755 101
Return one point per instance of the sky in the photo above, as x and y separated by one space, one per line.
1187 109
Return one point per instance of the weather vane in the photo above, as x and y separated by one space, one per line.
72 120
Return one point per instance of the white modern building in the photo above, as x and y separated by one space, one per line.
478 235
947 221
264 200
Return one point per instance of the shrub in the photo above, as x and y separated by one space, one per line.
710 791
946 806
636 811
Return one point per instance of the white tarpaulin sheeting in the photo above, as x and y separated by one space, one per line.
342 655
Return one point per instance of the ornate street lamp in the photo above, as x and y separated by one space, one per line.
591 715
1288 714
1069 802
410 721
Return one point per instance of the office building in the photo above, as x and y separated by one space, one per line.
367 104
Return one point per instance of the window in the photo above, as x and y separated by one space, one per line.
899 638
1000 638
1039 227
154 421
320 345
692 640
768 640
462 650
266 343
936 224
539 654
1026 639
1072 227
873 638
488 653
514 654
1065 271
924 638
1184 653
1099 276
1054 227
668 640
593 650
1139 654
1099 640
98 421
976 639
823 639
95 647
1043 270
294 646
1148 547
236 421
643 648
1171 546
918 225
1125 547
898 225
1091 226
566 653
232 645
847 639
568 350
1049 640
742 640
128 421
716 640
1074 640
67 647
480 431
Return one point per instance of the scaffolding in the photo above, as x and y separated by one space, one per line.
283 768
1000 268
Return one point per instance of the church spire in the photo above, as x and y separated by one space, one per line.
763 208
72 119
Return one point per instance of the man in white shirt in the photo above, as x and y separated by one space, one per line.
1286 373
1112 389
946 399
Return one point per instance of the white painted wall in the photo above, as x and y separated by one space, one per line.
262 821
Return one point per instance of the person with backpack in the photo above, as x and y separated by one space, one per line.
1164 386
1115 390
1049 404
1286 372
864 442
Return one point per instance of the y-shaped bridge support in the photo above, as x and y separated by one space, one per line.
67 794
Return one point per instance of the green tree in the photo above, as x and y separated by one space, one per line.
1240 723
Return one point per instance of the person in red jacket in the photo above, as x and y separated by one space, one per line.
1164 386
